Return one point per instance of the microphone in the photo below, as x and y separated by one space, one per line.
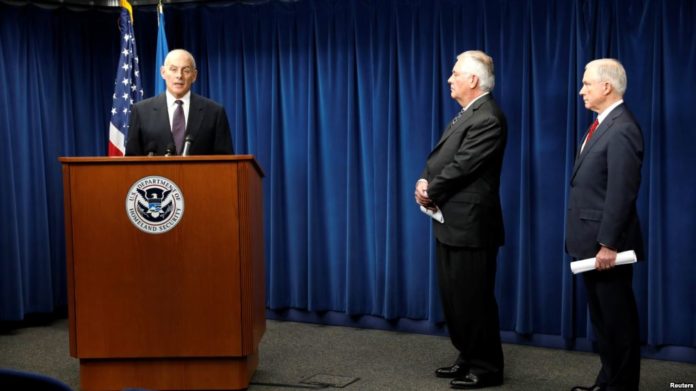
171 149
187 145
151 148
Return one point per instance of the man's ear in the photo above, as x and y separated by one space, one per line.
474 81
607 89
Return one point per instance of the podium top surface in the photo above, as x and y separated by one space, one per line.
160 159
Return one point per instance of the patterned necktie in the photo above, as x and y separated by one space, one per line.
590 131
179 126
456 118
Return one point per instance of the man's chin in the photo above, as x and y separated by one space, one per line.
178 92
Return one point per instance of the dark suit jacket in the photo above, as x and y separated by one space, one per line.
604 188
149 127
463 173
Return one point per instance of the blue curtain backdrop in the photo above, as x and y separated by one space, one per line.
341 101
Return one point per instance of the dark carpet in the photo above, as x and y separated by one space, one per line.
304 356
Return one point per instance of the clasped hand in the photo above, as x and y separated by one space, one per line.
421 195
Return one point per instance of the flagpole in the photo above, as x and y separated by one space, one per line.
162 50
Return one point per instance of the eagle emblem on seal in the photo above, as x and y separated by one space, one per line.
154 204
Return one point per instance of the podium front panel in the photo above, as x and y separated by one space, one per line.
173 294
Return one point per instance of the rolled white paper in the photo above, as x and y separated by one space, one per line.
437 215
583 265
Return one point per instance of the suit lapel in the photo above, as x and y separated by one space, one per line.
461 122
601 130
195 114
161 114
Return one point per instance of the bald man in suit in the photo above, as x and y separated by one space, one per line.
462 180
602 220
156 128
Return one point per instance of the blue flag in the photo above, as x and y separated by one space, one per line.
127 89
162 50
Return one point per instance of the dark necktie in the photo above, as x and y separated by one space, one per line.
450 127
590 131
179 126
456 118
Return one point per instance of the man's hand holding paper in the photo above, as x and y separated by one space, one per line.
588 264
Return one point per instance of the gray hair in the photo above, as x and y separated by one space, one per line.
611 71
476 62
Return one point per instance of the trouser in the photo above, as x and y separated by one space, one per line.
466 278
614 317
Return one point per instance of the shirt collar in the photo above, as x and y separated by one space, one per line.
186 99
608 110
475 99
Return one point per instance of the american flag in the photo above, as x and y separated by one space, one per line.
127 89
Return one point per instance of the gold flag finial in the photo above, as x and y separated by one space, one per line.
125 4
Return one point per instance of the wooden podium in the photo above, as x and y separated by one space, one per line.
178 309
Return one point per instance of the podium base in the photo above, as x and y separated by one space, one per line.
187 373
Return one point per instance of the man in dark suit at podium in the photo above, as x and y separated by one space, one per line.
602 220
462 180
178 121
